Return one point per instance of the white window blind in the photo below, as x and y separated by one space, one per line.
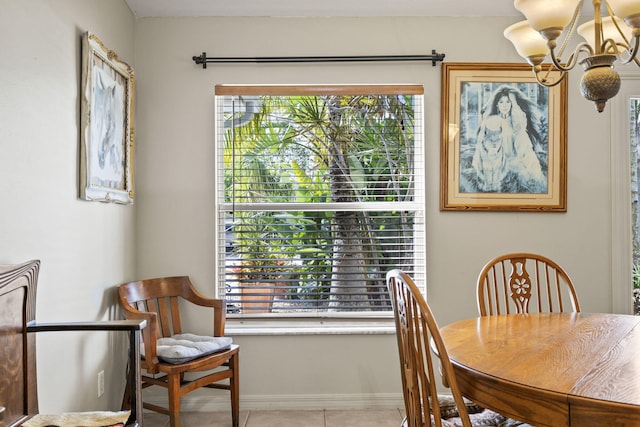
319 193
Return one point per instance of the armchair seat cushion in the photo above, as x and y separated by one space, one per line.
181 348
80 419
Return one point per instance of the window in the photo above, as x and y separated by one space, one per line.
625 249
634 132
319 193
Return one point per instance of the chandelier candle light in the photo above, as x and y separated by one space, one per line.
612 38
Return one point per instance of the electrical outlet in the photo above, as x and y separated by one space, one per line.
100 383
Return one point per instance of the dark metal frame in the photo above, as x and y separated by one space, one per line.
133 393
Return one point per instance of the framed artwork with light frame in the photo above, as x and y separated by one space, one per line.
503 140
107 132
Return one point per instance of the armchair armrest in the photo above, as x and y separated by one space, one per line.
149 335
219 306
134 328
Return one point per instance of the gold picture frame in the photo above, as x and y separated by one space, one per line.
107 132
503 140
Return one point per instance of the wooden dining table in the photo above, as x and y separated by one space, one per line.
551 369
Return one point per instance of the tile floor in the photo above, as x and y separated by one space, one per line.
308 418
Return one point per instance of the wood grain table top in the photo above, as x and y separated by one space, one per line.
551 369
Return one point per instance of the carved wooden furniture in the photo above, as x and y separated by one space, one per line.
417 333
551 369
524 283
18 373
158 302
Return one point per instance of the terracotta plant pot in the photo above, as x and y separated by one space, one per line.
256 303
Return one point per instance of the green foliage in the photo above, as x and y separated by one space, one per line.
262 251
289 152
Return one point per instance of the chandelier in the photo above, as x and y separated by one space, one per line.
614 37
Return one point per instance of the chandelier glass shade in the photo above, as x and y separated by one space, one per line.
609 39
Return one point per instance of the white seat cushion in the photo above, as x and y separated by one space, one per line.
181 348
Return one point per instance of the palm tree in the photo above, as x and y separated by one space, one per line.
353 129
349 286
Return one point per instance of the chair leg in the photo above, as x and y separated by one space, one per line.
174 400
126 397
234 365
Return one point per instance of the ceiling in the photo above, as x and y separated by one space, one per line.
310 8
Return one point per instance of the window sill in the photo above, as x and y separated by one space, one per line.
296 325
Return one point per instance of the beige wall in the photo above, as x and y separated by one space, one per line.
175 156
87 248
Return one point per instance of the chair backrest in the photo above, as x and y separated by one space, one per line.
524 283
418 338
18 382
18 328
158 302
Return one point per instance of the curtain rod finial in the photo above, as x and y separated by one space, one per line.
436 57
202 59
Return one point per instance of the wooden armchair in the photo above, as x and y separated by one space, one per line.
524 283
158 302
18 373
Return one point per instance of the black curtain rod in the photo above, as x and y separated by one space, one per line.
434 57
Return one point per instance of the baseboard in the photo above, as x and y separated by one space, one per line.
287 401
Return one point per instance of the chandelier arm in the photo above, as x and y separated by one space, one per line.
615 23
573 25
633 52
610 11
552 43
537 71
611 44
573 59
558 65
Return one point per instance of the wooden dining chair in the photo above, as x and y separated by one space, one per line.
524 283
18 370
421 348
172 353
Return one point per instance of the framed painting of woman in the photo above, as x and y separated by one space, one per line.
503 139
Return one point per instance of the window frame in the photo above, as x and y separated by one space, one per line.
316 322
621 227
